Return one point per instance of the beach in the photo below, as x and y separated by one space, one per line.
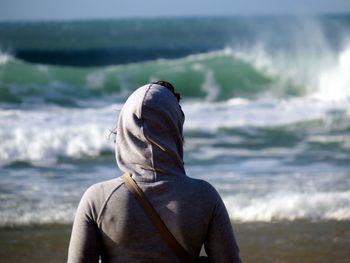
267 106
288 242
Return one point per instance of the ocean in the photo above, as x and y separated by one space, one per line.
267 105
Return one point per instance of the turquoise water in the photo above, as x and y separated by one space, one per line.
219 75
266 102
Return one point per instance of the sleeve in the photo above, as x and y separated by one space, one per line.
85 242
220 243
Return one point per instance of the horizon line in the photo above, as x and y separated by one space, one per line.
174 17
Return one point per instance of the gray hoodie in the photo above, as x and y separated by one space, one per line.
109 222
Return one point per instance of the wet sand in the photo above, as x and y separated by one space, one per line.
287 242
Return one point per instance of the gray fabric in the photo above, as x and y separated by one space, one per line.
110 224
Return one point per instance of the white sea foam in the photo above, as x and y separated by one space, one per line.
210 86
54 213
42 136
290 206
277 206
334 83
4 58
323 77
211 116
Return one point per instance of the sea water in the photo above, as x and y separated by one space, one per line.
266 99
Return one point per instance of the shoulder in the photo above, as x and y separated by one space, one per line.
103 188
97 194
200 183
203 188
208 195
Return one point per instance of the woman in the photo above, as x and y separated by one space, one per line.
111 225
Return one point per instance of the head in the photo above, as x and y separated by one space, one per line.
169 86
149 141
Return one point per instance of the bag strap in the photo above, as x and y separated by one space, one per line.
154 217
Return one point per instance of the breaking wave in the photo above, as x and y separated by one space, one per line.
218 75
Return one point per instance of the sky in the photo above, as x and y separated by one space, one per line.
14 10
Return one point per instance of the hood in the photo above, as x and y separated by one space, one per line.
149 141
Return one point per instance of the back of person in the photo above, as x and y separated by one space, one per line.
149 146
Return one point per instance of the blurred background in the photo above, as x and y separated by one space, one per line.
266 93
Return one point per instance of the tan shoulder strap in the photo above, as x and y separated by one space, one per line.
154 217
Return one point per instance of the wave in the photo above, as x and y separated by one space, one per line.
334 83
194 76
53 213
4 58
102 56
219 75
290 206
43 136
273 207
239 112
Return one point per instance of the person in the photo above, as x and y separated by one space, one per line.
110 224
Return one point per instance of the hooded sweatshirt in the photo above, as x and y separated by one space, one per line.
110 224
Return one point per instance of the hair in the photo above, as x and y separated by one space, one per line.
169 86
